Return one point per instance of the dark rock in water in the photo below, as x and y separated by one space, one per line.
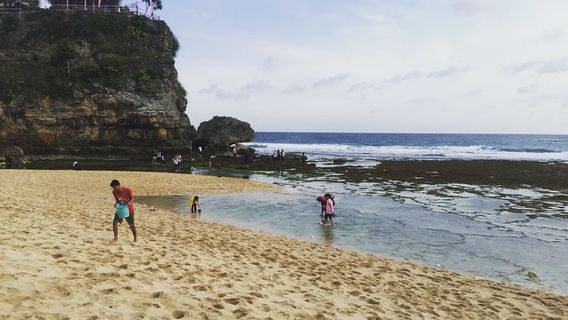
217 134
84 85
14 157
339 161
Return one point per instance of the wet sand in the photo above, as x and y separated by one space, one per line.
57 261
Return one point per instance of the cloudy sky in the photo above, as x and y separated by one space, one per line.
469 66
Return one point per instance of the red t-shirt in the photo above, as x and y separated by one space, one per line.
124 195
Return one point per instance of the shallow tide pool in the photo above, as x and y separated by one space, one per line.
495 246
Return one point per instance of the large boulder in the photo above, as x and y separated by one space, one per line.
14 157
217 134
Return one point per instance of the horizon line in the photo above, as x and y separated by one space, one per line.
431 133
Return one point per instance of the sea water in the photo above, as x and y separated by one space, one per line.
362 146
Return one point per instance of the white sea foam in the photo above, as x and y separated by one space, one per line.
325 151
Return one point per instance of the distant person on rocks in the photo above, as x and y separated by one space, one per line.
278 155
275 155
211 156
163 160
234 150
304 159
177 162
123 196
194 205
282 154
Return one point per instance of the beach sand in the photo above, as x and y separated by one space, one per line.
57 261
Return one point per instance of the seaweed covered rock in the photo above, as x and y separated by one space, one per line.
217 134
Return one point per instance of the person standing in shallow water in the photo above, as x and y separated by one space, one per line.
329 208
124 196
322 200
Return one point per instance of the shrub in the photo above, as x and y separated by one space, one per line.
180 90
175 45
61 52
9 22
147 83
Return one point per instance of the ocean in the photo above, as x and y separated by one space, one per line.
370 146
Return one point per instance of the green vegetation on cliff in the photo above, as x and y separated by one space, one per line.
57 55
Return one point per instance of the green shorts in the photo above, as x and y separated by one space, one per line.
130 219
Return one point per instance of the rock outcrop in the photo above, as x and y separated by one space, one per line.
13 157
90 85
218 133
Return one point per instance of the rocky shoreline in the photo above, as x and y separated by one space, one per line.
501 173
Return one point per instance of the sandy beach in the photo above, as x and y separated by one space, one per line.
57 261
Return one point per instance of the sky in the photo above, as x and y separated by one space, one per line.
439 66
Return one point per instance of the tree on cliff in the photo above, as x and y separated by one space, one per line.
15 3
156 3
83 2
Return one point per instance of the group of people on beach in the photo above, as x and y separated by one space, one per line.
278 155
159 159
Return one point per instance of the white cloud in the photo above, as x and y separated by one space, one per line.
447 72
294 89
531 88
329 81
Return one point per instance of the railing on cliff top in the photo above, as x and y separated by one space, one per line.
133 8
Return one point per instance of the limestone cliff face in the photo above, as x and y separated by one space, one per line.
94 85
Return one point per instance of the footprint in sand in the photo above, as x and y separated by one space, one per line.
180 314
239 313
200 288
233 301
264 308
109 291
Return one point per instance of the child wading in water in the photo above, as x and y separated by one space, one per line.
329 213
194 204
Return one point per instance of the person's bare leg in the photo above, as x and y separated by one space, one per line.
115 229
133 228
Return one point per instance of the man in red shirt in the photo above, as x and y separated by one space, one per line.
123 196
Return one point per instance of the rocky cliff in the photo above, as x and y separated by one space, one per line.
90 85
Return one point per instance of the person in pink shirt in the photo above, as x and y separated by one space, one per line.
329 211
